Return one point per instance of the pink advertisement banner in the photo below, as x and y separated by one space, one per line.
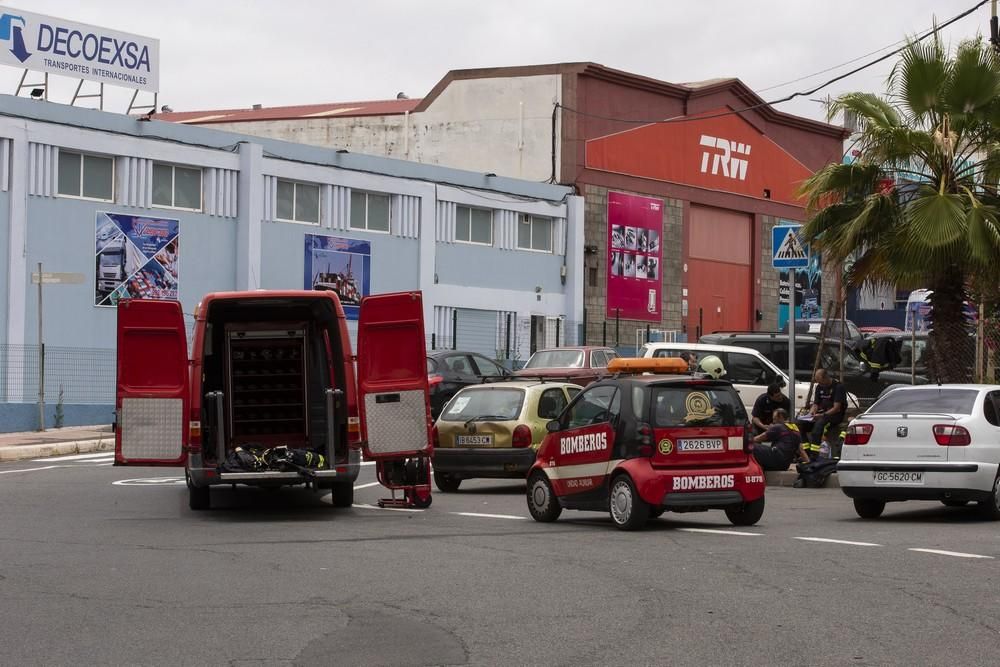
635 225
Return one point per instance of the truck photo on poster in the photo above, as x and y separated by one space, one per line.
339 265
136 257
634 254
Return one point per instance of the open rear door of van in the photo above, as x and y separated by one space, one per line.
153 384
392 376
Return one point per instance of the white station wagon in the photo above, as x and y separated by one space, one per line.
925 443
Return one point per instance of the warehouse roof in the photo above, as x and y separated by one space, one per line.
300 112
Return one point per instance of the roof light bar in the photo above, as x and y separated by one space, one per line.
657 366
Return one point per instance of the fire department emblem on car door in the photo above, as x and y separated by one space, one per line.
666 446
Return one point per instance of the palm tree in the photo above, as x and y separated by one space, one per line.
919 206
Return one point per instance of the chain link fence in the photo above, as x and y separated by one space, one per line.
965 352
73 375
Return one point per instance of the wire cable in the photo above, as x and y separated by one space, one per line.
833 67
787 98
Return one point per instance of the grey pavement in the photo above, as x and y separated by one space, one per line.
106 565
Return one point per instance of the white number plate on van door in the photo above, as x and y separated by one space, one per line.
699 445
898 477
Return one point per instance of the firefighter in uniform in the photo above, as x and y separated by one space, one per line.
827 410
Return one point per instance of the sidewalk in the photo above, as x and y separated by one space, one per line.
56 442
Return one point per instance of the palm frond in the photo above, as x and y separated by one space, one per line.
983 233
973 83
870 110
935 219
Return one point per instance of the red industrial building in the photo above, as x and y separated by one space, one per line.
699 172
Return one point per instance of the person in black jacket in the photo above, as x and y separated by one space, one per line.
765 405
828 409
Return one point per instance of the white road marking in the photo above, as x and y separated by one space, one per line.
716 532
7 472
149 481
70 464
365 486
957 554
489 516
75 457
826 539
386 509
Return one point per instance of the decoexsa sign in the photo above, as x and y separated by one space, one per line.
48 44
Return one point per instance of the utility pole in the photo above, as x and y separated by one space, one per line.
41 356
994 27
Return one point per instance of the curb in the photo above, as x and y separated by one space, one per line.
22 452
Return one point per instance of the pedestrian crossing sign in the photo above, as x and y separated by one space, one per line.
789 252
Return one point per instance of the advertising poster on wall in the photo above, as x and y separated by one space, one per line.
339 265
808 285
634 252
136 257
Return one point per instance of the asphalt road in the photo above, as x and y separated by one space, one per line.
98 572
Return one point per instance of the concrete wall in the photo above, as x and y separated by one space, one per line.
767 282
477 266
500 125
371 135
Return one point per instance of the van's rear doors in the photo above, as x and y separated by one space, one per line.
392 376
153 394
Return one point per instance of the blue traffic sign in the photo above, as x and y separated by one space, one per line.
788 250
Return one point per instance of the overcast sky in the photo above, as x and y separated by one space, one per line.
235 53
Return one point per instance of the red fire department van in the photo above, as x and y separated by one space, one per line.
273 371
650 439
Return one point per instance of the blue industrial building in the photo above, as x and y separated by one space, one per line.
116 206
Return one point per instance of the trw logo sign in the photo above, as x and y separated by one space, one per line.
729 158
718 153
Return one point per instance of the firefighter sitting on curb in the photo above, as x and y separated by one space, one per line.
785 447
827 411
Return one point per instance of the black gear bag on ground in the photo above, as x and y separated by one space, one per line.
814 475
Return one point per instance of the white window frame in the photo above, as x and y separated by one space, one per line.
173 187
366 228
532 218
295 196
82 162
470 209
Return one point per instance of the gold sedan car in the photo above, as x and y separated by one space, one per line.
493 430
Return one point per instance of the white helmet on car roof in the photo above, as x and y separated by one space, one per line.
712 365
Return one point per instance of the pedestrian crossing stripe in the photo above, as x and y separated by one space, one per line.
791 247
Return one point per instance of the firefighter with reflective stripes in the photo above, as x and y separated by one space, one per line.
827 410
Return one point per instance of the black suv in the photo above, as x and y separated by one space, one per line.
857 376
